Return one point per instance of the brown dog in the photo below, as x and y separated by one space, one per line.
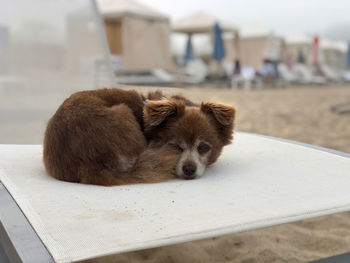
114 137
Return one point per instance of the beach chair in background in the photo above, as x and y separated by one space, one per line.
196 70
246 78
153 77
287 76
258 182
306 76
329 73
345 76
235 80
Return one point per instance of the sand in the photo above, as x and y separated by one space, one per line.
296 113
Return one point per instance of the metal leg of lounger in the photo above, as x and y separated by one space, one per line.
3 256
18 240
343 258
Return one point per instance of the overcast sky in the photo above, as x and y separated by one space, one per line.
281 16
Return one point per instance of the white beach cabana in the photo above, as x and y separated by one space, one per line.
138 36
258 43
333 54
203 23
296 44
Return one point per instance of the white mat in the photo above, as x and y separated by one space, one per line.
256 183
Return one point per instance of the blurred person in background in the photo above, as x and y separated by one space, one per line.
267 71
236 77
301 57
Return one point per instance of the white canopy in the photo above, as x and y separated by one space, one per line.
297 44
340 46
333 54
257 43
200 22
297 39
115 8
255 30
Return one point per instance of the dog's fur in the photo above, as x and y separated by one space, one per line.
115 137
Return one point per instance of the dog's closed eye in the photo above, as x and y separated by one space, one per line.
176 147
203 148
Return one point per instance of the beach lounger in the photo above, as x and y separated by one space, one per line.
258 181
330 73
346 75
287 75
196 70
305 76
246 78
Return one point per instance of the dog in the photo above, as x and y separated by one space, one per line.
116 137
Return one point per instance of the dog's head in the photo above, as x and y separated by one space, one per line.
198 133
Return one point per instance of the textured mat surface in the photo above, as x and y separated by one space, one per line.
257 182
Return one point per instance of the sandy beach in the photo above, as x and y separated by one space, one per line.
298 113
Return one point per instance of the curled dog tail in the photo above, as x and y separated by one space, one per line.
152 166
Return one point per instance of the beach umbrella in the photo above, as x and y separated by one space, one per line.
315 50
348 57
189 51
219 48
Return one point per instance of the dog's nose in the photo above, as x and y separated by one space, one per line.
189 171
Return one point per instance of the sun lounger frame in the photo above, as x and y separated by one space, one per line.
20 243
18 240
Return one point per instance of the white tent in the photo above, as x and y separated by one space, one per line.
200 22
138 36
296 44
203 23
258 43
333 53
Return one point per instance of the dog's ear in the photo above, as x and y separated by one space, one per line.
223 117
156 112
223 114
